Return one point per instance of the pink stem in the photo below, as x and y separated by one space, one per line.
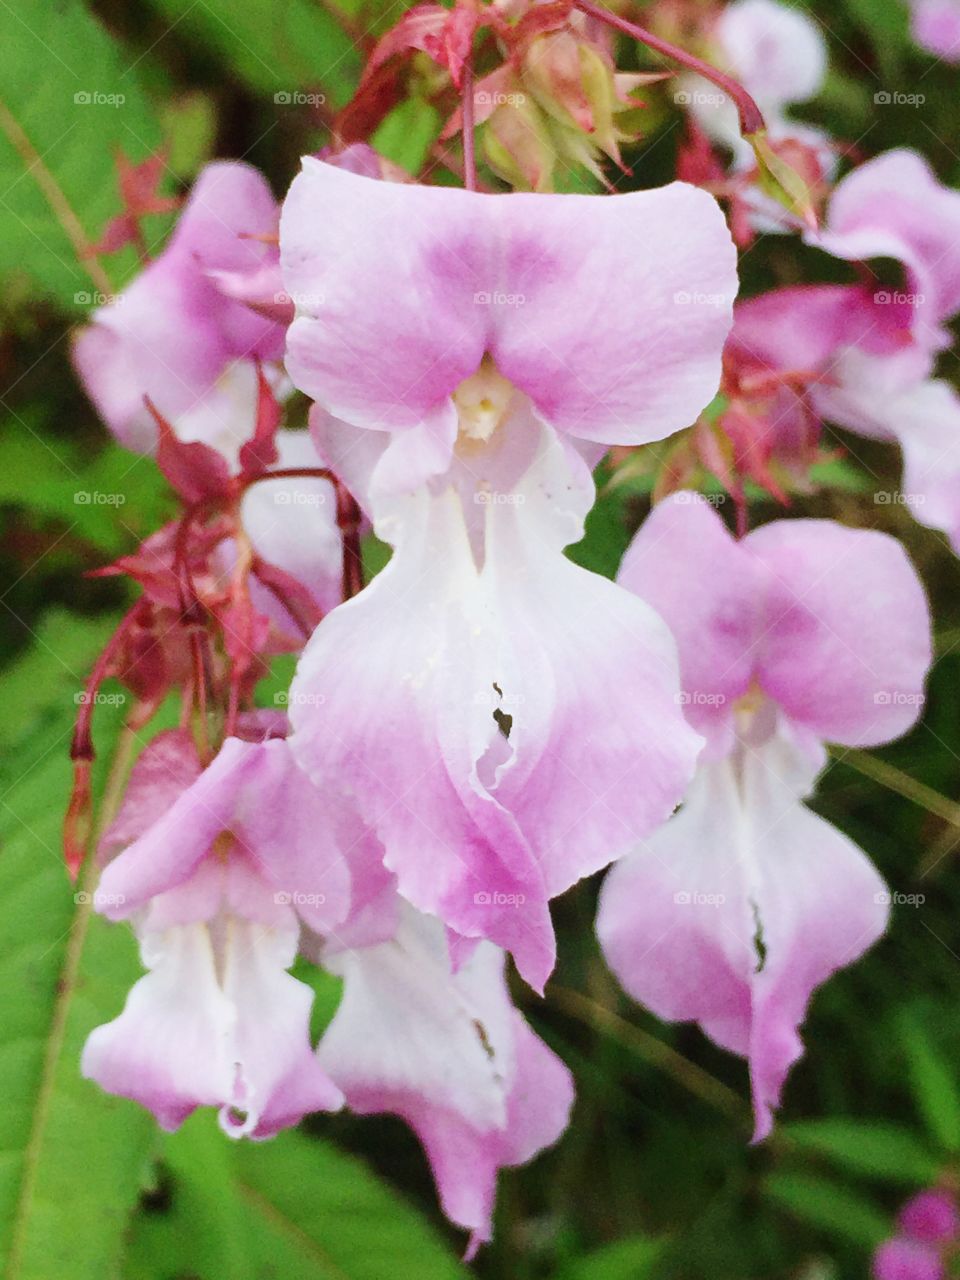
751 118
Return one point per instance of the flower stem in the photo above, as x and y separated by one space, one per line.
466 112
751 118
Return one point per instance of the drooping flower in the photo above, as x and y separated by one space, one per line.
746 901
217 869
445 1049
188 331
484 696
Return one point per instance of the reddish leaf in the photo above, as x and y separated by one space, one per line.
197 472
260 452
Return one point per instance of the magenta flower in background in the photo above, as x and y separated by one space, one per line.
734 911
907 1260
931 1216
926 1226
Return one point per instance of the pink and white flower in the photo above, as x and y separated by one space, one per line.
218 868
483 696
870 352
733 912
187 332
445 1049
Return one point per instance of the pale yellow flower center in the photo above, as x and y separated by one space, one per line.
482 402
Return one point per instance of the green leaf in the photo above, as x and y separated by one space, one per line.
111 501
195 1222
278 49
294 1208
632 1259
317 1203
45 681
831 1207
606 533
877 1149
887 26
934 1084
71 1158
190 127
408 133
69 97
841 474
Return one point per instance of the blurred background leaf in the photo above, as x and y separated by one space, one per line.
70 96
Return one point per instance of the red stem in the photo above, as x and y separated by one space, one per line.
348 521
466 114
192 617
77 824
292 473
81 745
751 118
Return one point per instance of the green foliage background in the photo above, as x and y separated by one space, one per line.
655 1177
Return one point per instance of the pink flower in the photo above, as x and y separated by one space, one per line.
483 697
224 864
446 1050
777 52
183 333
292 524
402 290
935 25
930 1217
486 698
907 1260
742 904
895 207
871 351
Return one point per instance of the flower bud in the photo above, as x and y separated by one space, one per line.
789 173
518 146
573 81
